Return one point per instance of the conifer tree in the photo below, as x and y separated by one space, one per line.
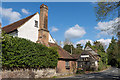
112 52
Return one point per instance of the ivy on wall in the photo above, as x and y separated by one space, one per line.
22 53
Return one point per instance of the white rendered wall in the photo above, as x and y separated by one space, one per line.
28 30
84 55
51 39
96 63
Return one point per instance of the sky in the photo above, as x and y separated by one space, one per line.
75 21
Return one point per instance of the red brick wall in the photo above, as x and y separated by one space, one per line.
61 66
73 66
0 25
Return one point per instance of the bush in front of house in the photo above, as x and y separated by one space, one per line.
21 53
102 66
80 71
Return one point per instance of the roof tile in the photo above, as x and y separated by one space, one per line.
63 54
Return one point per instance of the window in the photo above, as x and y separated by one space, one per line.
67 64
78 65
36 23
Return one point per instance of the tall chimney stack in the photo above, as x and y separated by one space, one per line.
0 24
43 17
43 35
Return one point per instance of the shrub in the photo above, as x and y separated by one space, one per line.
22 53
80 71
102 66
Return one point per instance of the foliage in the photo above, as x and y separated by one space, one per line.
22 53
114 53
68 48
100 50
118 55
106 9
80 71
98 46
87 44
101 66
109 10
0 50
79 46
104 57
77 50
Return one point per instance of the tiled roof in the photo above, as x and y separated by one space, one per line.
63 54
87 52
76 56
91 50
15 25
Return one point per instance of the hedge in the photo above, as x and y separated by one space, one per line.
22 53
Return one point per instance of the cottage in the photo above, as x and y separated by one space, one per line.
87 60
35 28
66 62
93 52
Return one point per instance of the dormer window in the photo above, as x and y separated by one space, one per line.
36 23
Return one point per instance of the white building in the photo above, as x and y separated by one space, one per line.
30 27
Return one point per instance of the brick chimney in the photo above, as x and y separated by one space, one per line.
43 35
0 25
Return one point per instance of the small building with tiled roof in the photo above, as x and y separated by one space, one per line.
35 28
93 52
66 63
